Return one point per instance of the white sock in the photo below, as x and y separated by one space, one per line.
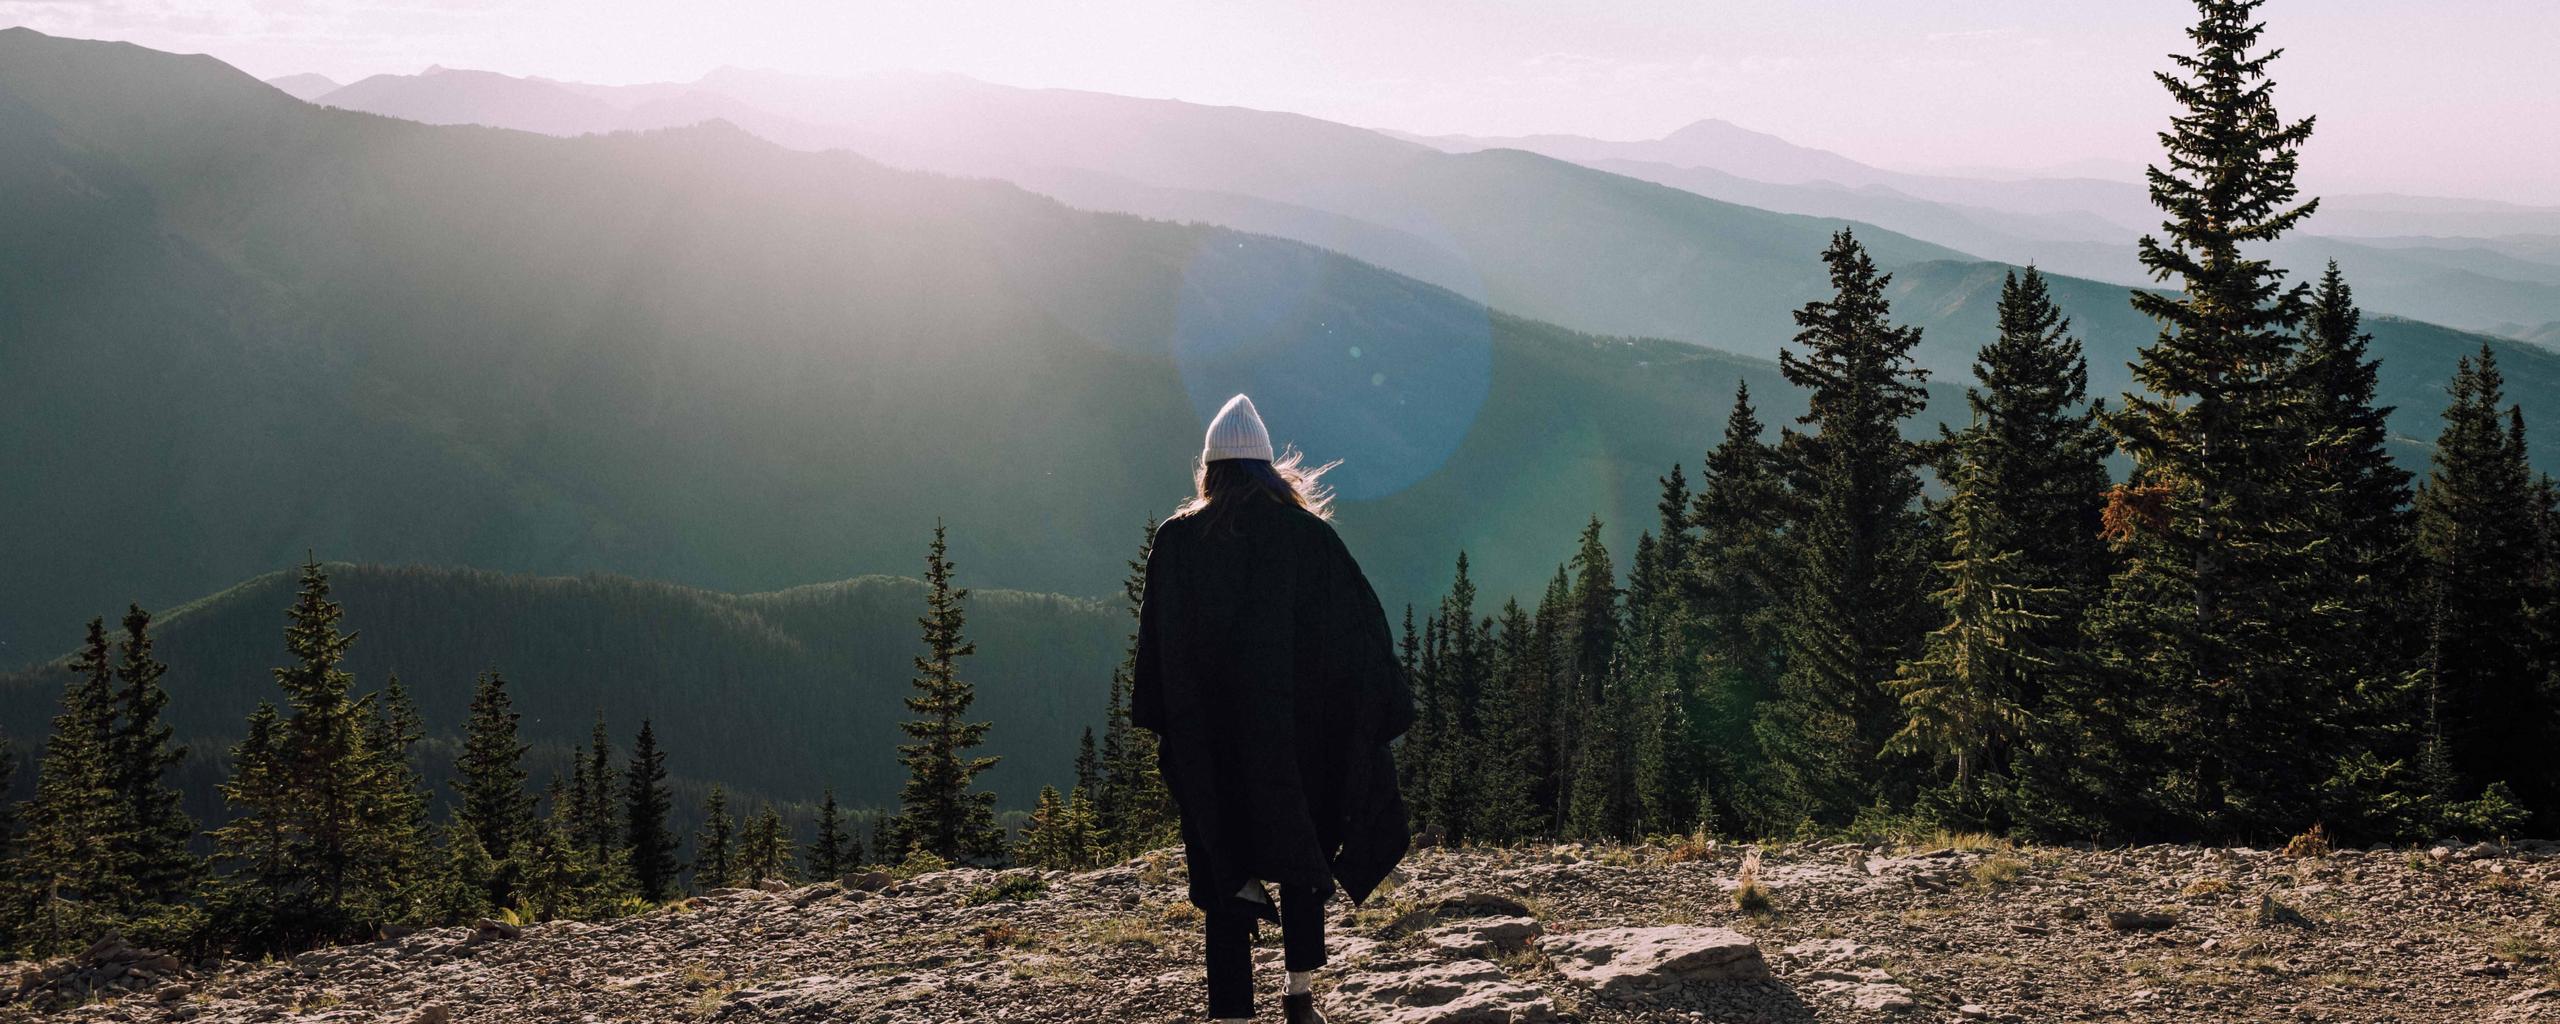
1301 982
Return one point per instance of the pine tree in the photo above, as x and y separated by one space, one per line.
1601 805
401 791
598 831
2366 567
646 804
489 781
765 851
2474 529
163 869
1587 638
2037 452
1516 801
1734 581
715 858
1132 808
1088 764
1419 754
460 890
1966 698
319 831
1456 746
2367 507
2214 621
939 812
1675 527
1060 834
1859 552
834 852
75 860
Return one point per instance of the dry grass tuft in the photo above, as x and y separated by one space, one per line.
1997 870
1749 896
2310 845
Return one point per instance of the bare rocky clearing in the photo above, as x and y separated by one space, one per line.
1600 934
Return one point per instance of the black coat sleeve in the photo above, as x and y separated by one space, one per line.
1146 684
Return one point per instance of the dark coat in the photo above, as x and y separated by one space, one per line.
1266 668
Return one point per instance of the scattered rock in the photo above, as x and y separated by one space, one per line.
2140 920
1482 936
1481 904
1625 962
1455 992
1858 946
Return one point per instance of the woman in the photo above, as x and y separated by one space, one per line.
1266 670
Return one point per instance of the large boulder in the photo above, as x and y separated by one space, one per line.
1637 962
1451 992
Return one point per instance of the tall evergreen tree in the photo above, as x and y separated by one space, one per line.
1602 803
2475 520
1456 691
1132 809
76 860
1675 527
939 811
1735 581
2036 454
2366 566
834 851
715 854
1060 834
489 779
1088 763
2215 620
318 833
1515 799
765 851
396 730
646 804
163 869
1859 551
1586 642
599 832
2365 496
1967 697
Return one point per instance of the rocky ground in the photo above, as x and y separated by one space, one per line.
1962 931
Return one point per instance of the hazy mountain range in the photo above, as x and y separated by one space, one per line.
1372 200
236 327
243 327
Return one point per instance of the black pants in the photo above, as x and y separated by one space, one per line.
1231 929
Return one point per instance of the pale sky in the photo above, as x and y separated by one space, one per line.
2442 97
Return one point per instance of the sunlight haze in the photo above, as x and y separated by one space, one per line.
2409 100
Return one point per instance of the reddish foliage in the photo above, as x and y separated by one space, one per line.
2133 508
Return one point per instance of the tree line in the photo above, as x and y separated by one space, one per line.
2266 626
329 836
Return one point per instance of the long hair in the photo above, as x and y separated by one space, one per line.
1226 483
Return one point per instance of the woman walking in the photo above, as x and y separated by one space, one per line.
1266 669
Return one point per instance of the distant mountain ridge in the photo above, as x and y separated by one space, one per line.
1495 225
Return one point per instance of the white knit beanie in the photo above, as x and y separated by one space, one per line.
1237 433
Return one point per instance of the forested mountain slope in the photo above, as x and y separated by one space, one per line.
240 328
